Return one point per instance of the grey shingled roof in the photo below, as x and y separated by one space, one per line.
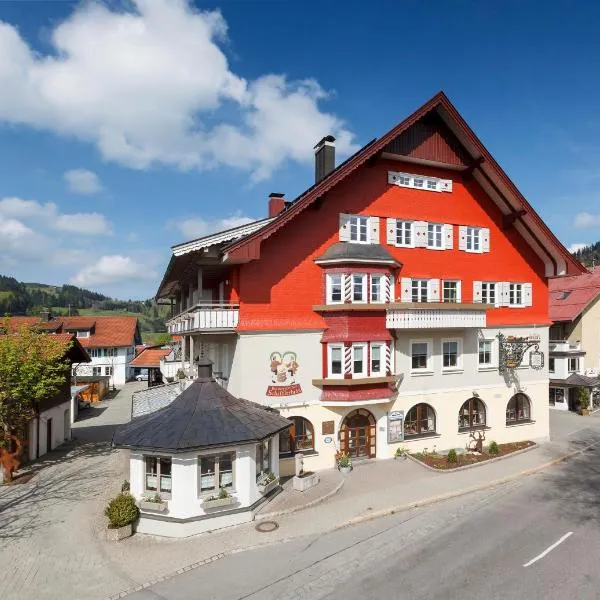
347 252
202 416
575 379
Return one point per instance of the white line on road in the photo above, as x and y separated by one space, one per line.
549 549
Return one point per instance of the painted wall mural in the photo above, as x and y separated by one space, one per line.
283 366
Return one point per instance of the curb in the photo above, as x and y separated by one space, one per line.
477 464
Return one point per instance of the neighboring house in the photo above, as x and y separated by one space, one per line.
574 357
110 342
387 305
149 359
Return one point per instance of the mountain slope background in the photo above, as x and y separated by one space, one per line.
589 256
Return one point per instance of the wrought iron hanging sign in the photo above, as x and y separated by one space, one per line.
513 348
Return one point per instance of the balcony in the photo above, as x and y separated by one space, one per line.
205 318
564 346
438 315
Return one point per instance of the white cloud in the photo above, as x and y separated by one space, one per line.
19 242
196 227
82 181
142 100
577 246
112 269
584 220
84 224
27 209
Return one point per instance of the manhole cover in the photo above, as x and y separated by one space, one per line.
267 526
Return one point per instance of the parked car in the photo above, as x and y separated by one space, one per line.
142 377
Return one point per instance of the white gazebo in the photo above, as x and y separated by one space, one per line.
207 460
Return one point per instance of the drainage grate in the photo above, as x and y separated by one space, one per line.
267 526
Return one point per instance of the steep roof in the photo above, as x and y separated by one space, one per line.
570 296
204 415
150 357
481 165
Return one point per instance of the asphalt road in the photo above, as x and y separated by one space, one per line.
535 538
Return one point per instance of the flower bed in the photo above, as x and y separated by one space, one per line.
439 461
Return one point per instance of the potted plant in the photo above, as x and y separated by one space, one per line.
154 503
344 463
401 453
121 511
584 401
223 499
266 482
180 374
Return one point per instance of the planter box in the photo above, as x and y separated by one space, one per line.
269 487
114 534
153 506
345 470
585 412
217 502
302 484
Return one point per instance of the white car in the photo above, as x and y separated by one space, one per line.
142 377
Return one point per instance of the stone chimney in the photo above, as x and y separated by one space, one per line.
324 157
45 315
277 203
204 368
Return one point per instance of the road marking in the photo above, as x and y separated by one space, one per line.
549 549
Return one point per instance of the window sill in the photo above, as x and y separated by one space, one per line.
486 369
215 492
421 436
423 373
520 423
467 430
452 371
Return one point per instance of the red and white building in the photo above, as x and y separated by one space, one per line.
369 309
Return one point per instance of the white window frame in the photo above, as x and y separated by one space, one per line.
408 180
576 359
382 347
365 359
473 234
380 277
459 355
491 365
486 294
330 373
264 450
82 333
217 473
428 369
420 286
457 282
355 222
96 371
403 227
108 371
364 288
159 476
329 288
512 289
442 239
551 364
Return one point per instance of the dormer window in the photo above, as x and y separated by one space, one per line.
82 333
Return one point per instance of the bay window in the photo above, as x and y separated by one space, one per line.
359 287
359 352
377 288
336 360
335 293
377 360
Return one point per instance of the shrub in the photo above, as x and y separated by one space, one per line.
493 448
344 461
180 374
122 510
401 451
452 458
583 398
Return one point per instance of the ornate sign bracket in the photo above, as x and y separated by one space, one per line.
512 350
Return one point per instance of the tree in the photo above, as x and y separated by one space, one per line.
33 368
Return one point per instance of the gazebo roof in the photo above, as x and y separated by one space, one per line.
205 415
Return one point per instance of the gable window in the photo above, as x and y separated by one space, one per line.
336 360
377 283
418 182
419 420
573 365
299 437
420 352
358 359
404 233
377 368
420 289
515 294
435 236
471 414
216 471
518 409
451 354
334 283
473 239
404 180
488 292
359 229
158 474
432 184
359 285
451 291
485 353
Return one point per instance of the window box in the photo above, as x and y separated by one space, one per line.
267 487
209 503
152 506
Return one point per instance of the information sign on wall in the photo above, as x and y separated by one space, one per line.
395 426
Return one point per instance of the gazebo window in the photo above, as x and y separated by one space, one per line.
216 471
158 474
263 457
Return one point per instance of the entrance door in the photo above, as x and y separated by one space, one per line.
48 435
358 435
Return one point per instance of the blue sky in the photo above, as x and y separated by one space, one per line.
128 127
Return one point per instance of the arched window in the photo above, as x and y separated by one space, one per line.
300 436
419 420
518 409
471 414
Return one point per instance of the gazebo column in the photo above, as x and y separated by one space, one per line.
137 474
245 474
184 500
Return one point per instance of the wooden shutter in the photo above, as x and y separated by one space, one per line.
462 237
449 236
485 240
374 226
420 231
391 231
503 293
527 294
477 290
446 185
344 227
406 289
434 290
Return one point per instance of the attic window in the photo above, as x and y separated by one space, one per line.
420 182
82 333
564 295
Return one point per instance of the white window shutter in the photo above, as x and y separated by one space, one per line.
446 185
462 237
485 240
406 289
477 290
459 291
391 231
374 225
527 294
503 293
449 234
420 230
344 227
434 290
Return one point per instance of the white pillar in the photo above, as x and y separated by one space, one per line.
191 350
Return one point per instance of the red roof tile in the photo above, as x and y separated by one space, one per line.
150 357
569 296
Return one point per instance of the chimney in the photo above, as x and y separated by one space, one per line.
277 203
45 315
204 368
324 157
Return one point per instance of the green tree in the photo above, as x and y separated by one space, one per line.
33 367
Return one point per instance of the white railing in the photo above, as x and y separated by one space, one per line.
434 318
563 346
205 317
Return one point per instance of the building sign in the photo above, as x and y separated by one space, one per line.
327 427
536 359
283 375
395 426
